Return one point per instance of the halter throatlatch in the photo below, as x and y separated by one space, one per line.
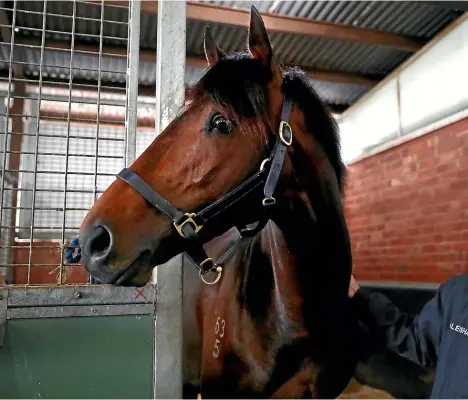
188 225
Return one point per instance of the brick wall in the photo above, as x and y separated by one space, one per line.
44 252
407 209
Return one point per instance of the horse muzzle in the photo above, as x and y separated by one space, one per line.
100 260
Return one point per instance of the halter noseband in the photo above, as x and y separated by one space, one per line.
189 224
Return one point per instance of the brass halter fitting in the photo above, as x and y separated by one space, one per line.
284 124
213 268
188 220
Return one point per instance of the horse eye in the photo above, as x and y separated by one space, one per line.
221 124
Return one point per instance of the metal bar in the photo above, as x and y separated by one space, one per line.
54 190
133 62
101 33
68 142
47 209
63 67
11 36
39 227
110 5
37 141
76 295
26 171
76 100
85 35
3 315
96 149
36 247
82 120
170 91
64 137
78 84
79 311
63 155
65 16
33 265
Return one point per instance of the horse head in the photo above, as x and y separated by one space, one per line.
229 159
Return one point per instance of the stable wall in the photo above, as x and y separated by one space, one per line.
407 209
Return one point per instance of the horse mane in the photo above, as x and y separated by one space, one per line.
319 121
240 84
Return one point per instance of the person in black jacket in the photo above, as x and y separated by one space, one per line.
438 335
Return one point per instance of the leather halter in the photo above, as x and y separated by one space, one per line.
189 224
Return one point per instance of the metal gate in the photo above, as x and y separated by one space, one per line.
72 114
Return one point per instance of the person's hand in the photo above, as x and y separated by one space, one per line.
353 287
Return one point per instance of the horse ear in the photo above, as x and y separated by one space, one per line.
259 43
212 52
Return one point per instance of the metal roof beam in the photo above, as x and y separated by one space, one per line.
315 74
452 5
288 24
300 26
195 61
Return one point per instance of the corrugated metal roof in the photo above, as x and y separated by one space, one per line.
412 18
306 51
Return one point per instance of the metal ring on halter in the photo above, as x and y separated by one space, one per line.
268 201
218 270
262 165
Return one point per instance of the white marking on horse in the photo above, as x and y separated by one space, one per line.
219 331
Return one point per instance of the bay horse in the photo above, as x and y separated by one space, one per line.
247 181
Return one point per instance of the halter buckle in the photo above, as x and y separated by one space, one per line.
188 220
286 142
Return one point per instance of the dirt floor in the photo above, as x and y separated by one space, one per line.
355 390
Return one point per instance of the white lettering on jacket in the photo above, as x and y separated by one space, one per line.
458 328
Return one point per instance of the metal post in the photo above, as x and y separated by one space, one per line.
3 315
133 62
170 91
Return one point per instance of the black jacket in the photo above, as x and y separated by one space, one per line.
438 335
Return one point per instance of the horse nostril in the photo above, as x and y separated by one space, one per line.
100 242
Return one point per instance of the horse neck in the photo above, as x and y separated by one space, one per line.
281 279
301 259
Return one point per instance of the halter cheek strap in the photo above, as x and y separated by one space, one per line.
283 140
189 224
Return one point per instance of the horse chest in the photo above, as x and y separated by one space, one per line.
249 351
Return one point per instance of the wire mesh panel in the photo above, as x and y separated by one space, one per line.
64 66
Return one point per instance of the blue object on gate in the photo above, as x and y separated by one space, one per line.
73 246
